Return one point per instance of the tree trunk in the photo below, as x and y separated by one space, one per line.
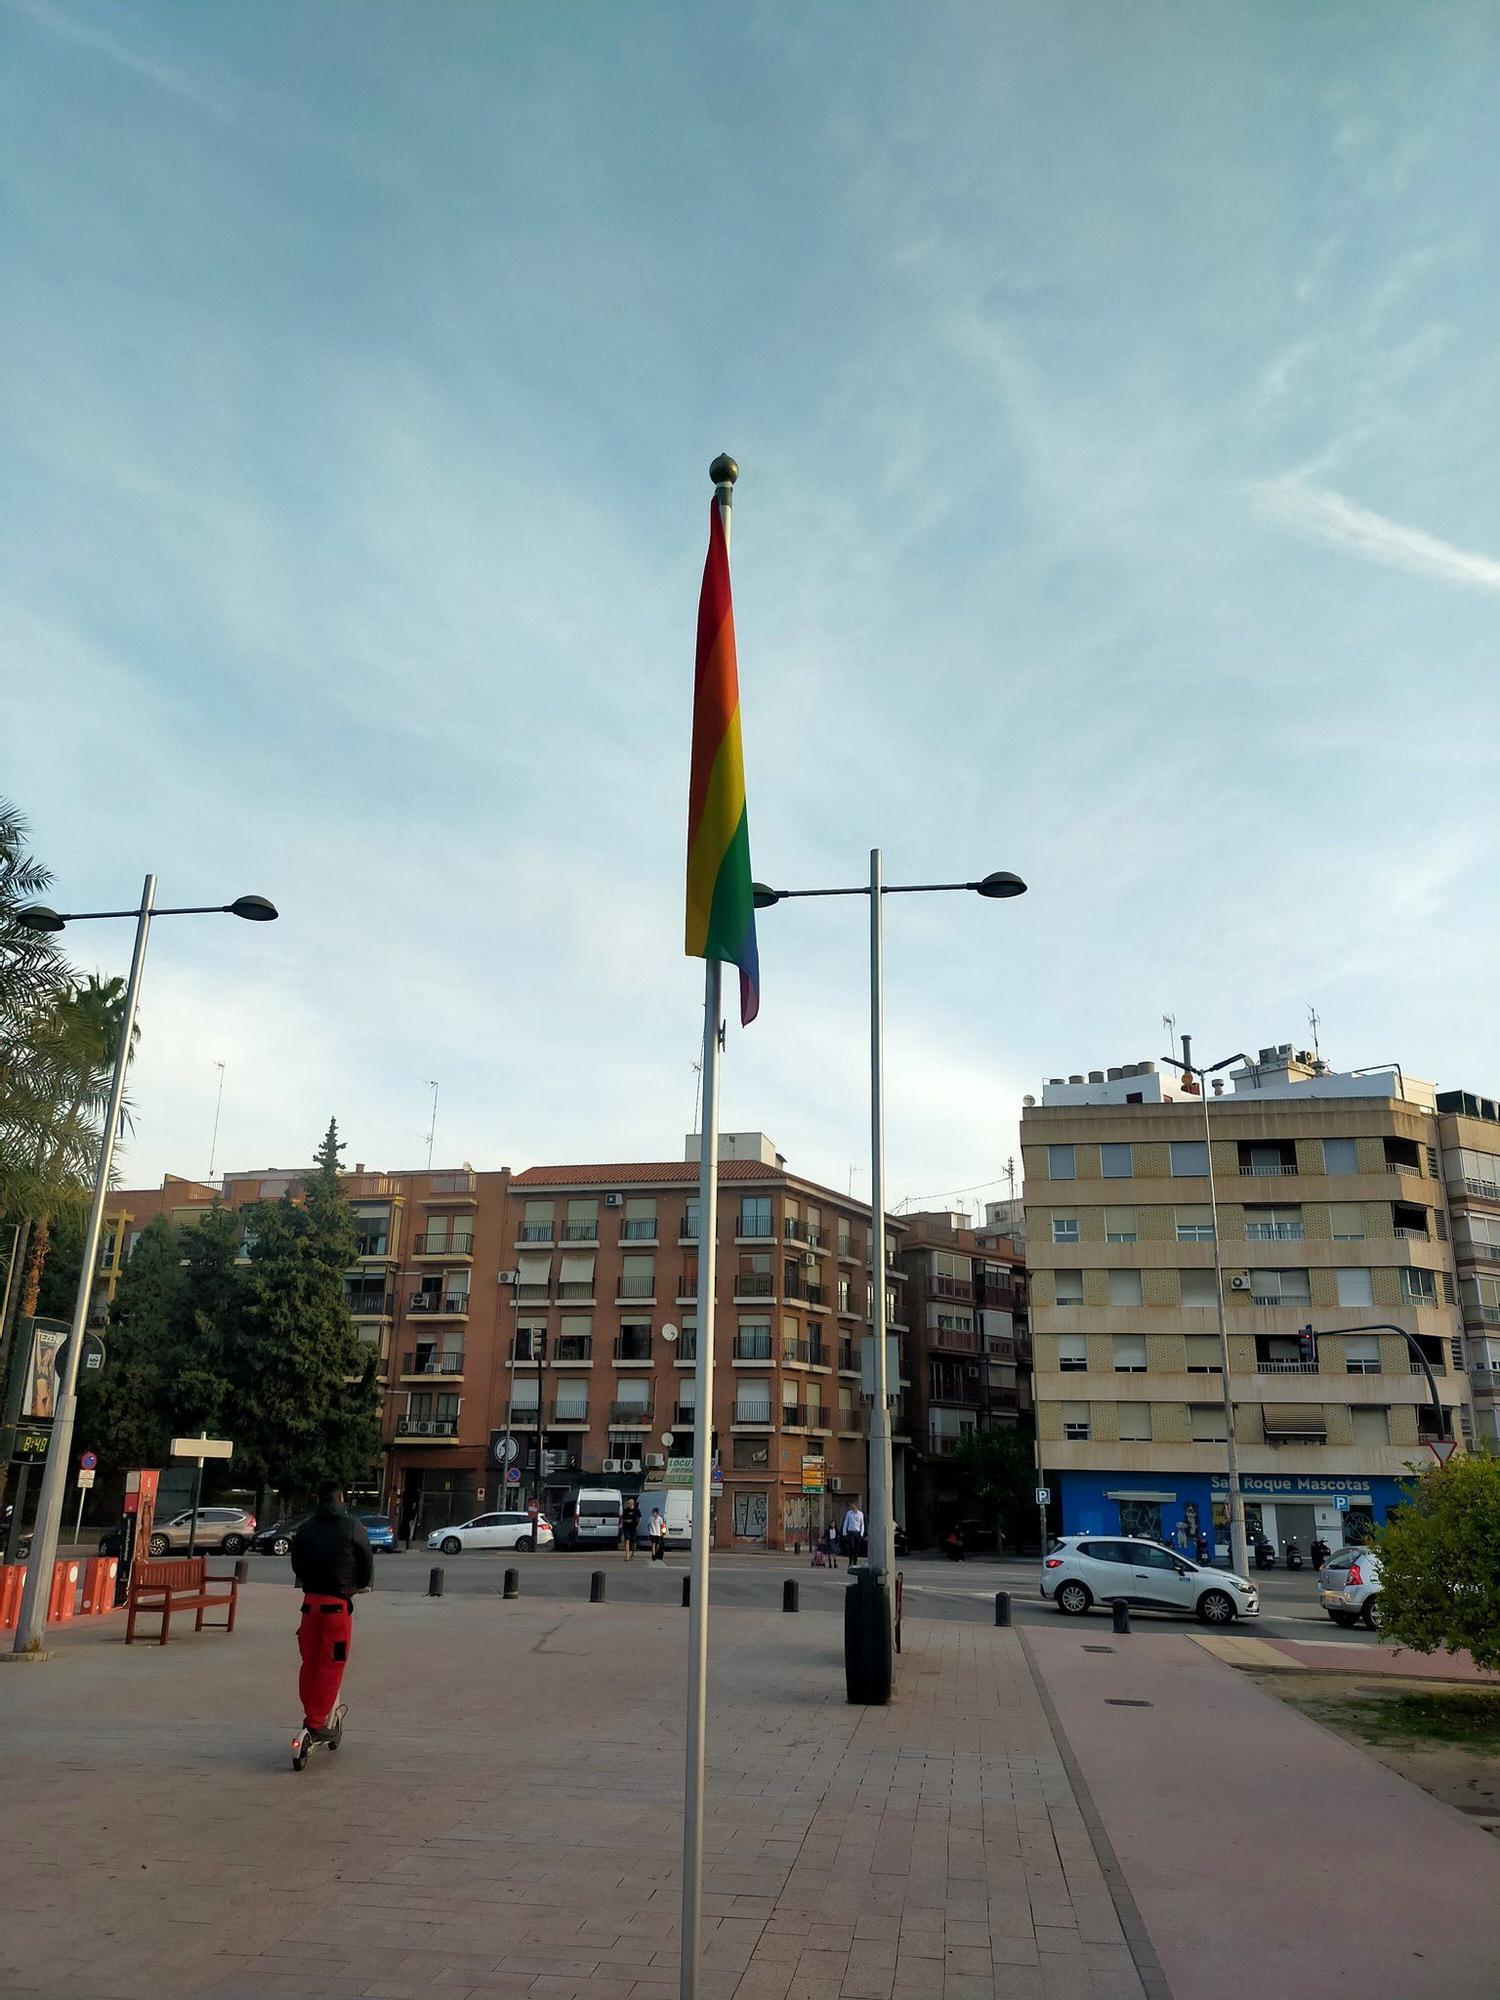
36 1257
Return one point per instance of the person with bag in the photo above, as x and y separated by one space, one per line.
630 1523
658 1532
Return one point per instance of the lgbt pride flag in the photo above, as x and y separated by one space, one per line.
720 911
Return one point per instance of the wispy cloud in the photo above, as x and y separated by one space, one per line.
1326 516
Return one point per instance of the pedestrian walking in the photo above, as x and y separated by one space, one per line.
331 1560
658 1533
854 1532
630 1522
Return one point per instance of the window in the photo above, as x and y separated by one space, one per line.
576 1275
1065 1229
1362 1353
1273 1225
1346 1221
534 1276
754 1216
627 1445
1072 1351
1195 1224
525 1393
1418 1288
1204 1355
1340 1156
1075 1422
634 1390
1130 1353
575 1339
1119 1225
537 1222
752 1341
848 1417
1124 1288
582 1225
1068 1287
1134 1420
572 1402
637 1277
530 1343
1061 1165
1199 1288
1371 1426
1354 1287
1115 1162
752 1399
1188 1157
1206 1422
1279 1288
639 1225
690 1221
751 1454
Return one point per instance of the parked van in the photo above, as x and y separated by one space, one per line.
676 1504
591 1519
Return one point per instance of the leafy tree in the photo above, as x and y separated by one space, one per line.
996 1472
126 1415
1439 1580
58 1290
307 1405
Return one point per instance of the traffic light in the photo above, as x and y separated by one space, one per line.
1307 1345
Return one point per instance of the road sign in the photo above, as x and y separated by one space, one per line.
1044 1496
1442 1449
85 1479
202 1447
812 1475
88 1460
1341 1503
513 1475
90 1364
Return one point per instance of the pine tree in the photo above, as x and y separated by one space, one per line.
306 1396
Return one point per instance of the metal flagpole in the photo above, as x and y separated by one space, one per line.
703 1413
32 1622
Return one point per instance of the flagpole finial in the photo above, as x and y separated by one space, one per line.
723 471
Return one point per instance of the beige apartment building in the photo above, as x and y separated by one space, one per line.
1333 1214
1469 1139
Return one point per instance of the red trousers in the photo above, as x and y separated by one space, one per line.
323 1639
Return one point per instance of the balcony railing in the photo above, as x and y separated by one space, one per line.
846 1356
687 1229
849 1252
683 1415
574 1347
752 1413
423 1363
570 1412
950 1288
441 1244
438 1302
801 1416
809 1353
575 1288
581 1232
536 1232
636 1288
754 1285
632 1347
798 1288
687 1345
963 1340
1409 1235
533 1294
372 1246
372 1305
439 1427
1486 1190
523 1416
630 1413
802 1232
1258 1169
759 1229
1273 1232
752 1347
638 1229
1404 1167
1286 1367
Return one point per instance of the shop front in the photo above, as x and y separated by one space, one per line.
1177 1508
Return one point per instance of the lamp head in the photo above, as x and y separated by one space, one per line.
37 917
1000 884
762 897
254 909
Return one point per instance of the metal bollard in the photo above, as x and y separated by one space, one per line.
434 1583
1002 1607
687 1592
512 1583
242 1570
1121 1615
596 1587
789 1594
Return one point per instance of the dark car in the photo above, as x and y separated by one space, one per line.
277 1541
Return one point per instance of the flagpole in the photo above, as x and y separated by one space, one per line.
723 472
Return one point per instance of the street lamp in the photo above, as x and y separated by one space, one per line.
999 885
1440 1424
31 1625
1238 1553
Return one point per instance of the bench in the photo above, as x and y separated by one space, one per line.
179 1583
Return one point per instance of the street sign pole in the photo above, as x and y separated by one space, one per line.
198 1449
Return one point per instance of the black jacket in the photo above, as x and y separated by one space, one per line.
331 1553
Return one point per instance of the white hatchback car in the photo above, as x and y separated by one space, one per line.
492 1531
1080 1571
1349 1587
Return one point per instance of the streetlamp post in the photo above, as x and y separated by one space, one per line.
31 1625
998 885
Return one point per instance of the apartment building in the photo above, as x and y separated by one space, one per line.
967 1352
126 1215
521 1327
1332 1214
1469 1141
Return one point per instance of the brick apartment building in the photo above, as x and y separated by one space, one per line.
532 1308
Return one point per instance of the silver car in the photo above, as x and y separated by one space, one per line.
1079 1571
1349 1587
225 1528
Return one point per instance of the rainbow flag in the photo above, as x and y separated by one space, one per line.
720 912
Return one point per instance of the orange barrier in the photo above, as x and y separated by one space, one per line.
99 1574
64 1594
12 1582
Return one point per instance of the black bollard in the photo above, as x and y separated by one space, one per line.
789 1594
512 1583
596 1587
687 1592
1121 1615
434 1583
1002 1607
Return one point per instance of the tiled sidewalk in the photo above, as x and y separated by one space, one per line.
504 1817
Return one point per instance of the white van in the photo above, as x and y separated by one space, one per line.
676 1504
591 1518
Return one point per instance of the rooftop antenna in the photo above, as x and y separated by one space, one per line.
1010 1175
213 1144
1169 1022
697 1091
432 1128
1314 1023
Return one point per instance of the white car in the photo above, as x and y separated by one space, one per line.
492 1531
1080 1571
1349 1587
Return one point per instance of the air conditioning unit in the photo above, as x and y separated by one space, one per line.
835 1485
510 1278
655 1460
419 1427
613 1200
614 1465
1241 1283
809 1260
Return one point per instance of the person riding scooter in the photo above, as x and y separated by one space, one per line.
1265 1553
1293 1553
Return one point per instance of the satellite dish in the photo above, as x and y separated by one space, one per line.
669 1332
666 1438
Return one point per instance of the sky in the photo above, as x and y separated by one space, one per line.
1115 396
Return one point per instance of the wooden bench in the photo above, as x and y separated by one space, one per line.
179 1583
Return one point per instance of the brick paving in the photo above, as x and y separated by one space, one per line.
504 1816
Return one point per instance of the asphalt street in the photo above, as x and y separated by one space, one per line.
933 1588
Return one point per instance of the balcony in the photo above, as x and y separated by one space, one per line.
372 1305
523 1417
849 1307
375 1247
580 1232
683 1416
570 1412
807 1294
848 1361
753 1347
752 1413
427 1427
1286 1368
635 1289
752 1228
958 1340
802 1353
435 1243
635 1416
802 1416
949 1288
1410 1235
536 1232
1273 1232
849 1252
577 1290
533 1295
634 1347
1259 1169
802 1232
575 1347
441 1305
687 1229
755 1285
638 1229
421 1362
